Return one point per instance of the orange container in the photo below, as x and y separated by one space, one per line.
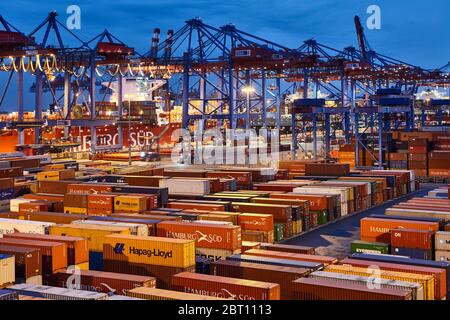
380 229
88 188
226 237
316 203
292 256
256 221
54 254
199 206
100 202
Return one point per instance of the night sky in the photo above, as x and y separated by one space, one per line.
415 31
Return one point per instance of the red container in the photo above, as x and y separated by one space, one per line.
222 287
328 289
77 247
410 238
53 254
107 282
227 237
316 202
28 261
55 217
100 202
380 229
440 276
33 206
274 187
284 276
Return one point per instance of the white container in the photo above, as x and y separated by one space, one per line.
351 183
416 289
24 226
326 190
186 186
7 270
55 293
14 204
136 229
215 254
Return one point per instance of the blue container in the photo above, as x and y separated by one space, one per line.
6 194
96 260
8 295
440 102
309 102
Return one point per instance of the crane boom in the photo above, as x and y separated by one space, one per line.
361 39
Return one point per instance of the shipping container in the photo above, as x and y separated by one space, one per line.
55 293
284 276
379 230
162 274
226 237
223 287
439 275
276 262
415 289
161 294
247 245
136 229
411 238
442 240
373 271
292 256
256 221
324 289
195 206
130 204
279 212
13 225
77 247
257 236
8 295
95 235
7 269
53 217
53 254
98 281
150 250
358 246
150 224
28 262
215 254
186 186
288 248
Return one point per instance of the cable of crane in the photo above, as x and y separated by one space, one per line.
81 73
97 71
22 65
7 69
130 71
16 69
113 74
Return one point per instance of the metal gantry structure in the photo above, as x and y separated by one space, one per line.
225 77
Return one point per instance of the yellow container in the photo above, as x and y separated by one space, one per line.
83 266
94 234
130 204
48 175
160 294
426 281
75 210
150 250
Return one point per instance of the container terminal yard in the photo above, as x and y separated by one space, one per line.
219 165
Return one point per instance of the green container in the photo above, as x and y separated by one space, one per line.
322 217
278 232
359 246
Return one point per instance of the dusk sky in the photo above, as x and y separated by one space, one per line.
415 31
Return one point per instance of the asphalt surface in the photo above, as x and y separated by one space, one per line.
334 239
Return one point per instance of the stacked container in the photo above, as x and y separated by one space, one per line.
442 245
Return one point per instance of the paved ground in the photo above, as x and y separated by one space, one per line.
334 239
